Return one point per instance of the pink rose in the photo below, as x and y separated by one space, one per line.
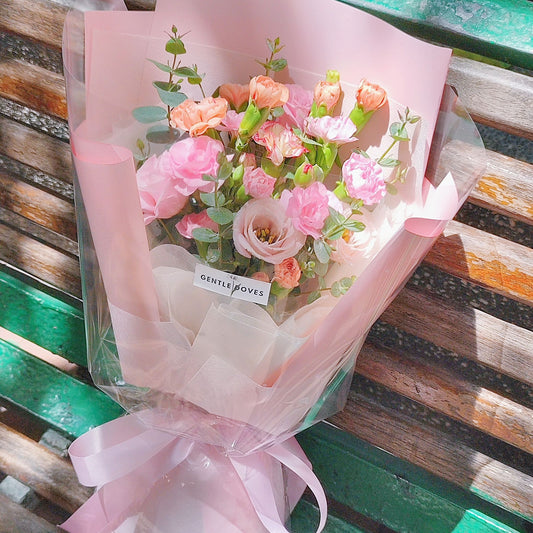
287 273
363 178
354 245
258 183
193 221
159 198
188 160
262 229
297 107
308 208
338 130
198 117
280 142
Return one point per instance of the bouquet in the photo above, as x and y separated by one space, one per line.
240 232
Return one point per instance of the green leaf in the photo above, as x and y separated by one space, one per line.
186 72
336 217
398 132
336 234
346 283
391 189
149 114
213 254
315 295
208 198
224 171
204 235
322 251
336 289
354 225
161 134
161 66
175 46
220 215
169 93
278 64
389 162
321 269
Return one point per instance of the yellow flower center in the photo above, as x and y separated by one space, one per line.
265 235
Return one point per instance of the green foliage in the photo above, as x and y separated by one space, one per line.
148 114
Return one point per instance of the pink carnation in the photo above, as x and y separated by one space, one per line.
339 129
258 183
159 198
363 178
297 107
188 160
231 122
280 142
262 229
193 221
308 208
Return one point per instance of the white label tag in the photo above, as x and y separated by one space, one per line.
228 284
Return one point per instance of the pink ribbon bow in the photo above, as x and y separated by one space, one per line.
125 459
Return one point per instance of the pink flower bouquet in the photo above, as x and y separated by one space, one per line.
240 232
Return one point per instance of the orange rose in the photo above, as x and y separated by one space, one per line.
327 93
234 93
370 96
287 273
198 117
265 92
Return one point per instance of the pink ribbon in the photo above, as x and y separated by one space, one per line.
124 459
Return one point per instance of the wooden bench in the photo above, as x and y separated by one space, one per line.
437 433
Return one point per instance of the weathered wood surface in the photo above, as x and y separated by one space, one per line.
437 452
15 518
51 476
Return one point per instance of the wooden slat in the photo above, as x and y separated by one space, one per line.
450 394
438 453
38 206
33 86
42 23
38 259
467 332
486 260
505 187
15 518
480 89
51 476
35 149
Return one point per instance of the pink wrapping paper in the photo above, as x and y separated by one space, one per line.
306 374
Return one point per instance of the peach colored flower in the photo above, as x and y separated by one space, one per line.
261 276
257 183
280 142
287 273
193 221
265 92
234 93
159 198
198 117
327 93
262 229
370 96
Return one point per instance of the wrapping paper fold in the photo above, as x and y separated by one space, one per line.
210 378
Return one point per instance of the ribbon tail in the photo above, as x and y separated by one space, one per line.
292 460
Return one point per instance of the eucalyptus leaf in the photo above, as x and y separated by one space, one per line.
175 46
161 66
315 295
322 251
220 215
398 132
213 254
278 64
224 171
321 269
161 134
336 290
148 114
171 98
186 72
389 162
354 225
204 235
336 234
208 198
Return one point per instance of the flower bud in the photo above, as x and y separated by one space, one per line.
253 119
307 173
370 97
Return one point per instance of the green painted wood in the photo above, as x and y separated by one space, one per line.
500 29
396 493
42 318
59 399
305 519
